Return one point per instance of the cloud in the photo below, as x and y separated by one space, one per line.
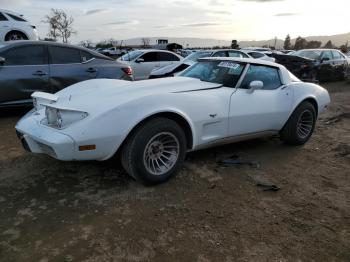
220 12
286 14
14 2
95 11
261 1
200 24
132 22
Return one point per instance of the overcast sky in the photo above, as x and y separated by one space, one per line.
218 19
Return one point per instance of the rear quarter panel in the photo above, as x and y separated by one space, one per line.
303 91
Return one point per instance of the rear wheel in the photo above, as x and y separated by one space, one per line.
300 125
15 35
155 151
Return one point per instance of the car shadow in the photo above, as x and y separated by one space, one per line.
15 111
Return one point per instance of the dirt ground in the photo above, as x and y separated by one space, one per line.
91 211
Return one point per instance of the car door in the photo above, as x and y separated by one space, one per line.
326 67
67 67
4 26
144 64
25 71
261 110
166 58
340 65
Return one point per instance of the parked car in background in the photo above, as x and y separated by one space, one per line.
316 64
153 124
28 66
185 52
175 68
114 51
14 26
144 61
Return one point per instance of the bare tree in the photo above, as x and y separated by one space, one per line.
86 43
60 25
52 20
145 42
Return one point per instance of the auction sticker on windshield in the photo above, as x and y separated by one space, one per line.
229 65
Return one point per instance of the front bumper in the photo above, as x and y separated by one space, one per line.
37 138
65 144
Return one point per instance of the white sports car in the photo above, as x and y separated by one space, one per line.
153 123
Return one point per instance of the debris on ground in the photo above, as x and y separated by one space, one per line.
268 187
337 118
342 150
237 161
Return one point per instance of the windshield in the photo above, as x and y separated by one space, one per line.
131 56
311 54
196 55
226 73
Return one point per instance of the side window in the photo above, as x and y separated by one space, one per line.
164 56
220 54
256 55
85 56
64 55
16 18
26 55
2 17
150 57
268 75
337 55
327 54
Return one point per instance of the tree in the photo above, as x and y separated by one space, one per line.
313 44
86 43
234 44
329 44
287 43
345 48
60 25
145 42
300 43
52 20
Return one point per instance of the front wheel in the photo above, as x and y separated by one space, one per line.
300 125
155 151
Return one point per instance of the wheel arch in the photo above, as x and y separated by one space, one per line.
311 100
180 119
16 30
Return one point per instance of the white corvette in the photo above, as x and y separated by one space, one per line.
153 123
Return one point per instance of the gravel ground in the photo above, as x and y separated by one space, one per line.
92 211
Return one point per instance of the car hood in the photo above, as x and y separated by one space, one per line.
102 93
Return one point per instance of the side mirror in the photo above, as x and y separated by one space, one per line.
2 60
255 85
140 60
324 59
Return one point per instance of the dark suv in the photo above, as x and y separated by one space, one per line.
28 66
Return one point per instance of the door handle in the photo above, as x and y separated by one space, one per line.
39 73
91 70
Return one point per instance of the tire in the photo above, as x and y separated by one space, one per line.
300 126
15 35
155 151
